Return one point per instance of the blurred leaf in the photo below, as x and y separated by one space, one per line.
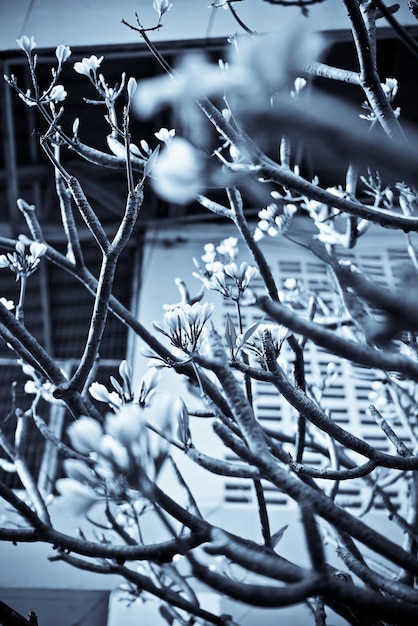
166 614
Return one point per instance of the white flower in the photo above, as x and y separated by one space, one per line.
88 65
37 249
85 435
57 94
162 6
127 425
228 247
19 262
101 393
31 388
62 53
149 382
9 304
125 371
390 87
26 44
165 135
162 413
299 84
112 450
131 88
184 324
177 173
79 471
76 498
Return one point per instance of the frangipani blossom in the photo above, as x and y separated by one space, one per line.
177 175
131 88
165 135
228 248
102 394
77 498
57 93
88 65
184 324
114 452
20 262
9 304
162 6
78 470
127 425
26 44
62 53
85 435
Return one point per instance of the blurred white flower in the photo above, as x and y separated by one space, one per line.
163 413
299 84
9 304
390 87
114 451
127 425
195 79
85 434
76 497
272 60
178 172
228 248
79 471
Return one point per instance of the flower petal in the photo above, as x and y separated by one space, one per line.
85 434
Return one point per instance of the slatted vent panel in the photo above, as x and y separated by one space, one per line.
347 397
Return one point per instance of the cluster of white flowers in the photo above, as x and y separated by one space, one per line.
89 66
272 222
133 442
184 325
55 92
222 273
23 262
